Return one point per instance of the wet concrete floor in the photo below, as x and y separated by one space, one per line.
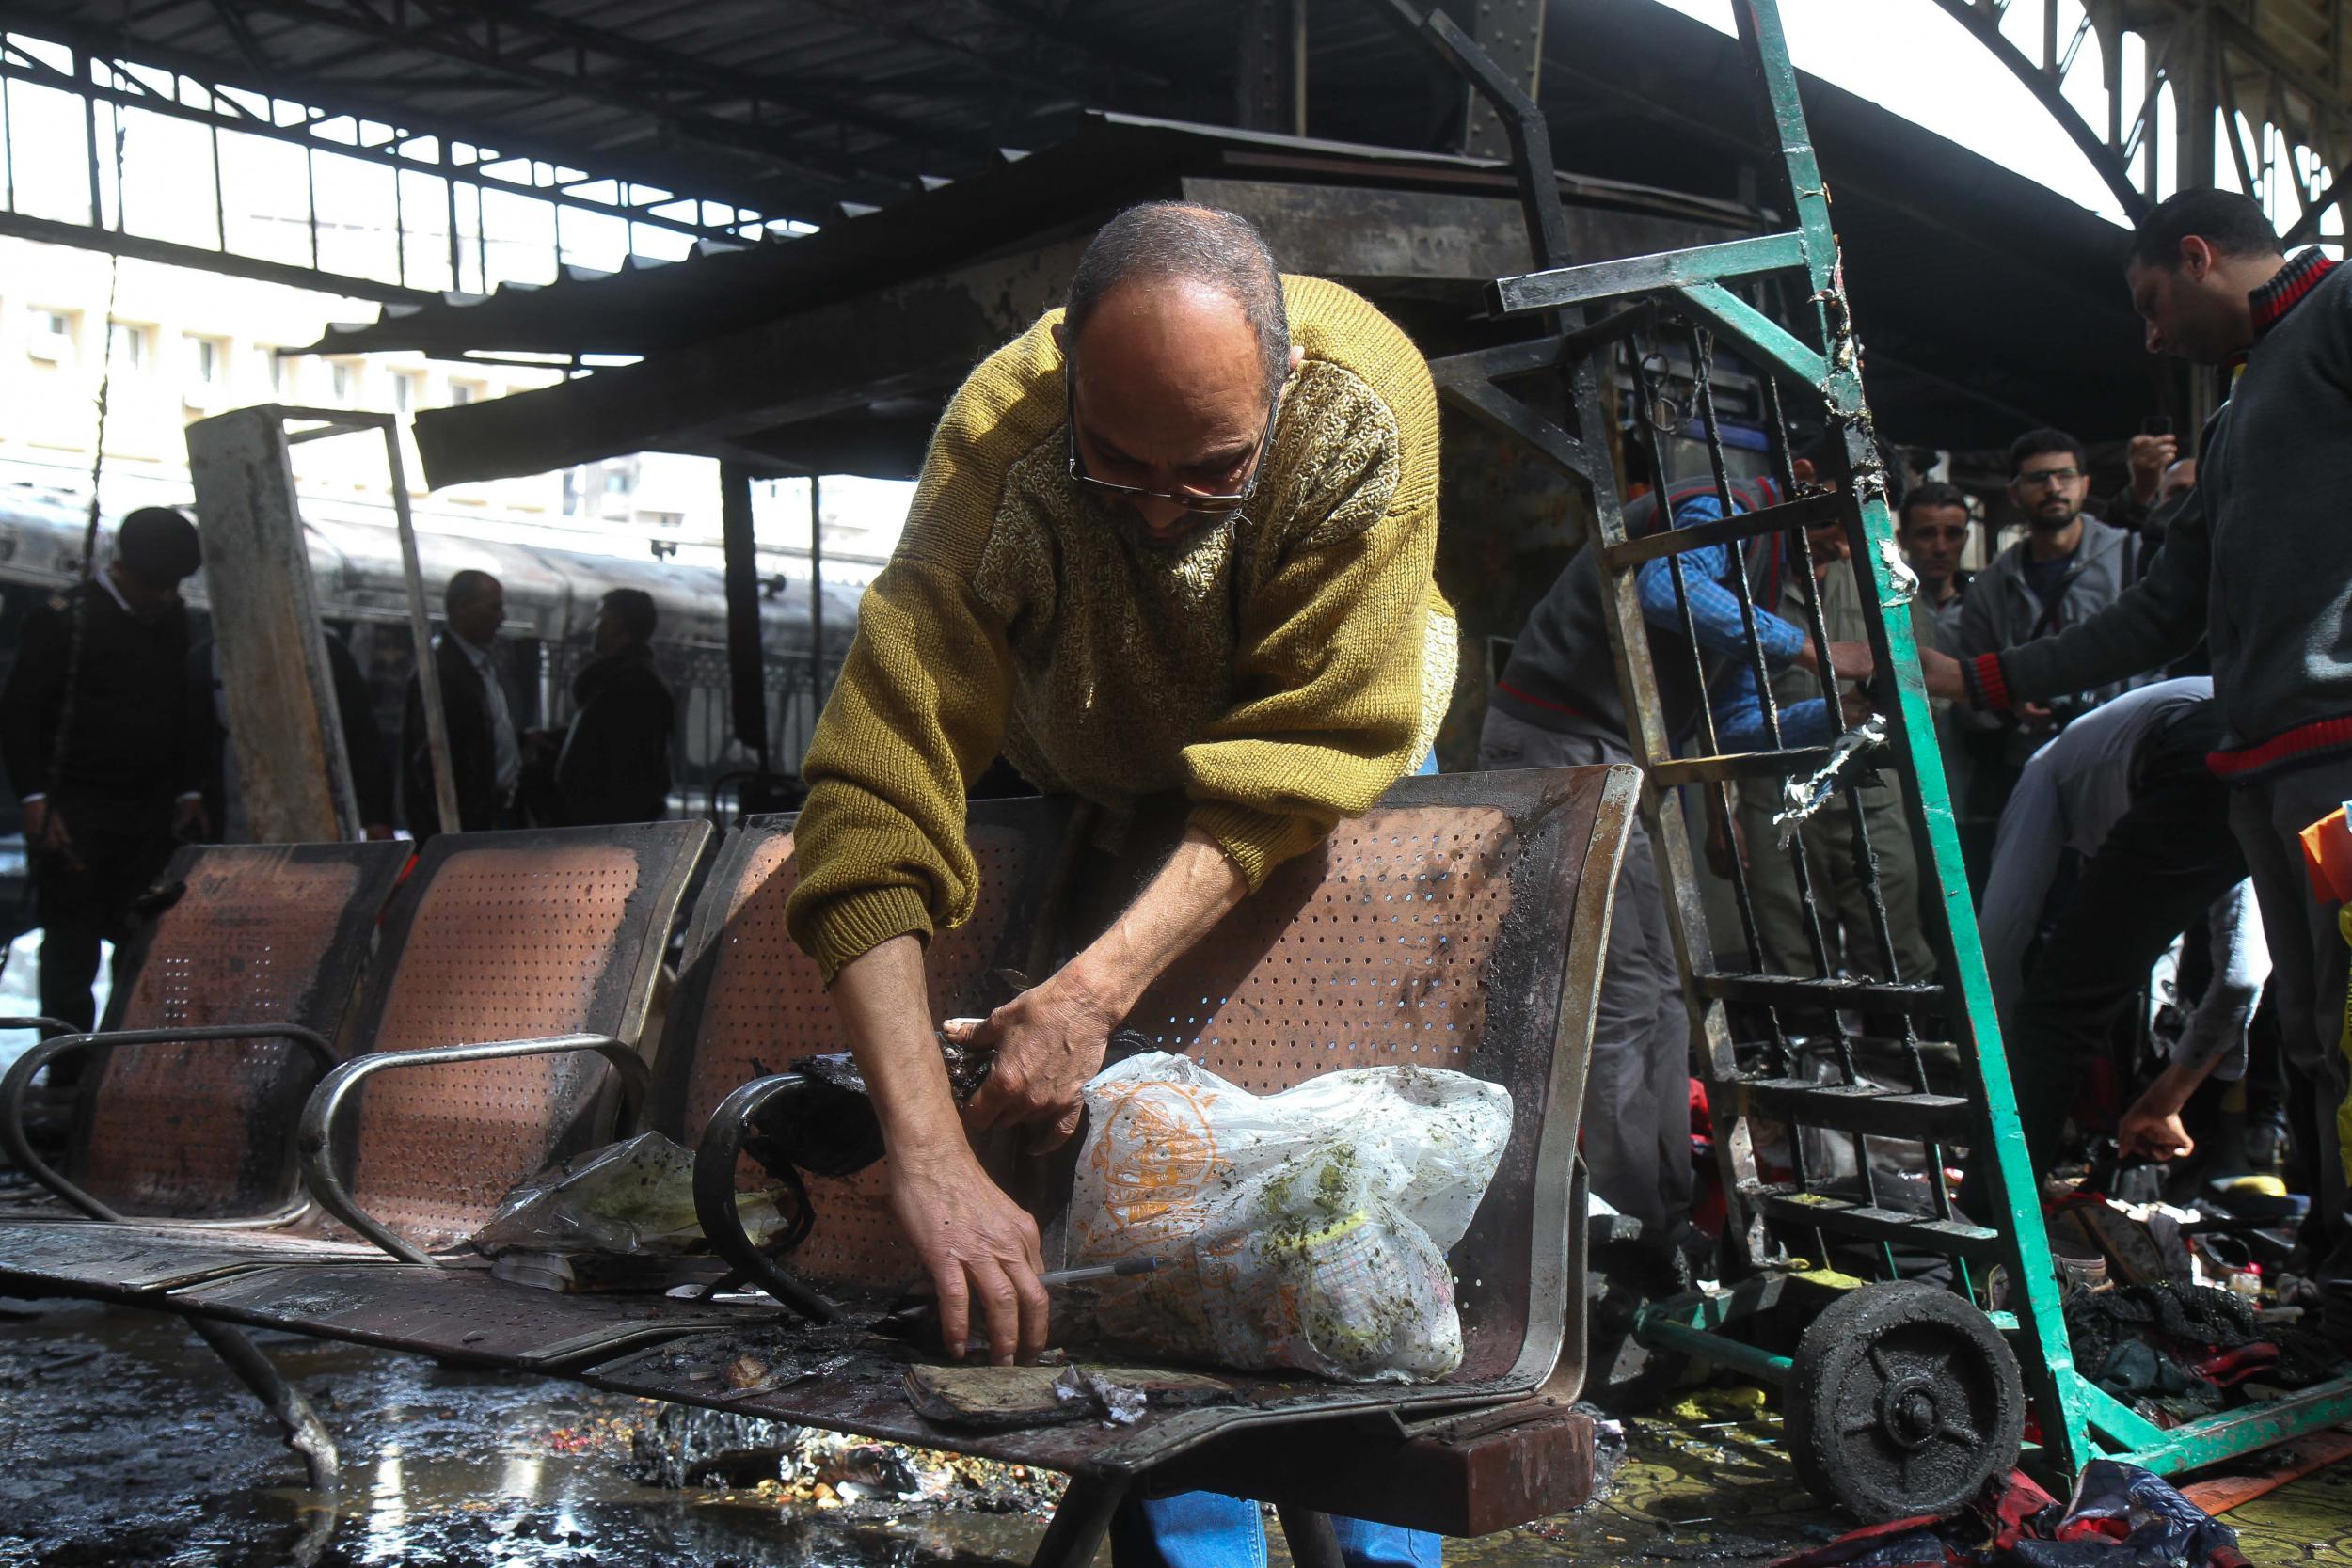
123 1442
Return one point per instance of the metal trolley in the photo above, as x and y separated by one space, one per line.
1903 1397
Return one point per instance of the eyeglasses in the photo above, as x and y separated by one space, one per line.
1198 501
2050 478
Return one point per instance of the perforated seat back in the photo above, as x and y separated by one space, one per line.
1440 930
750 1003
496 937
256 934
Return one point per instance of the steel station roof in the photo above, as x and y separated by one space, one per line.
1986 302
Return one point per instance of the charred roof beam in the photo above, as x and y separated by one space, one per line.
755 181
777 129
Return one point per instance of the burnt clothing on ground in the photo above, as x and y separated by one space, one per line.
614 764
476 710
123 731
372 778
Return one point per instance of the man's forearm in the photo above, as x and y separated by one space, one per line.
1195 890
885 1004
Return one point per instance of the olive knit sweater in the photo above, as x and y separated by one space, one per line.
1281 667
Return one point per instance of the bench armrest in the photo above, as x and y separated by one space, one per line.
315 1137
19 1078
716 1158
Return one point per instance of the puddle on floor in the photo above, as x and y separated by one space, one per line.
124 1443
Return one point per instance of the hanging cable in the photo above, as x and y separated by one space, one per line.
27 909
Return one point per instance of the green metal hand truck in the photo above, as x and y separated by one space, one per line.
1903 1397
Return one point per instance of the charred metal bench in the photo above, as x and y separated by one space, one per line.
546 943
1461 923
242 978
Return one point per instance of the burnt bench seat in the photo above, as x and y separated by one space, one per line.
1460 923
270 965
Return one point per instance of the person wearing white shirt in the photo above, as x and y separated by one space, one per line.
485 749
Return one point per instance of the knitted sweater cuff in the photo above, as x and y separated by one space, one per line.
1255 841
845 928
1988 686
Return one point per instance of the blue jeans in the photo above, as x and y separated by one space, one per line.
1203 1530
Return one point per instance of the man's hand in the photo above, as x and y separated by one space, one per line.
46 834
2034 718
1049 1040
1726 846
1940 673
976 1243
2152 1128
1853 659
44 830
2148 456
376 832
2151 1132
980 1247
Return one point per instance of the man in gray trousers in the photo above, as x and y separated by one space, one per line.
2259 564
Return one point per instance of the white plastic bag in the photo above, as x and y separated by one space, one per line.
1305 1230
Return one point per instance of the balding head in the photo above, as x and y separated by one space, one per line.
1177 345
474 603
1160 245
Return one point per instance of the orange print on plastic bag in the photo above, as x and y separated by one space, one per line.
1155 1157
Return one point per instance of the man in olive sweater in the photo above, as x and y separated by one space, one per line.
1175 540
2259 564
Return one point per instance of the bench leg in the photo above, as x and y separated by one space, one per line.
1309 1534
305 1433
1080 1523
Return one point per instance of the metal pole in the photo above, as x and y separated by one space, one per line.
815 601
449 189
97 202
421 630
1298 68
746 670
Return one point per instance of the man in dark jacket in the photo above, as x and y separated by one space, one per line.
2259 564
613 763
94 731
485 749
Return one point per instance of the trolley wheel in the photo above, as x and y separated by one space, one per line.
1903 1401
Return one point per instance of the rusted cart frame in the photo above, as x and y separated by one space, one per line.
1607 320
